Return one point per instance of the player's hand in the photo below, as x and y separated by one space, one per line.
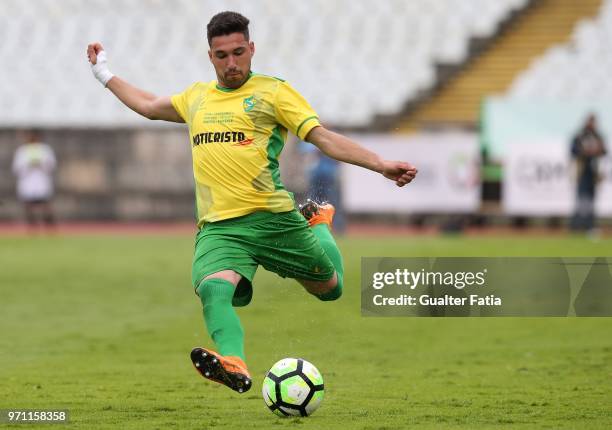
399 171
93 49
99 66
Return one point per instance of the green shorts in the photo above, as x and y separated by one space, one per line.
281 242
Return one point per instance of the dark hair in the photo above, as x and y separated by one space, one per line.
225 23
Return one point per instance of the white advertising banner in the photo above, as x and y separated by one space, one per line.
448 180
540 180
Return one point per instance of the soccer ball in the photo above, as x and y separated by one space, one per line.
293 386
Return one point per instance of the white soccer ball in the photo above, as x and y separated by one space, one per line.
293 387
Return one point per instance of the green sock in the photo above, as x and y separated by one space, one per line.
322 232
222 322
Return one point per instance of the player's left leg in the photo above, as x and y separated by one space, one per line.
216 292
222 272
227 367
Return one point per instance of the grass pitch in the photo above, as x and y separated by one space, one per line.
103 326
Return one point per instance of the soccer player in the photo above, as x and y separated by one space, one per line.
246 218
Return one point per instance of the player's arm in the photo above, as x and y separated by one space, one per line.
342 148
146 104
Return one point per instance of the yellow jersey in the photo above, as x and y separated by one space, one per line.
236 138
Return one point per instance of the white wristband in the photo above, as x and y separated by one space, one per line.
100 69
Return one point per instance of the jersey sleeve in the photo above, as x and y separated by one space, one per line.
181 102
293 111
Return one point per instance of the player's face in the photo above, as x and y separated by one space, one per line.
231 56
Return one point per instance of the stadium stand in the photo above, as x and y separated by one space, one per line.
344 63
577 70
543 24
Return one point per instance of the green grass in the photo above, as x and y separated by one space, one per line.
103 326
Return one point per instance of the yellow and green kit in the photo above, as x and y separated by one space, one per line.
245 216
236 137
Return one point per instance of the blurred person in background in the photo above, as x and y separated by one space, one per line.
33 165
586 149
324 183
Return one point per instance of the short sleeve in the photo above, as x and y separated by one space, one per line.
293 111
181 103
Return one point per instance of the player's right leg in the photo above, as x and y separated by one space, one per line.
323 289
309 255
320 217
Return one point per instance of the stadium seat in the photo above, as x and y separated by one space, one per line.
578 70
372 56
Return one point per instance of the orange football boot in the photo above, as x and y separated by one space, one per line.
316 213
230 371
